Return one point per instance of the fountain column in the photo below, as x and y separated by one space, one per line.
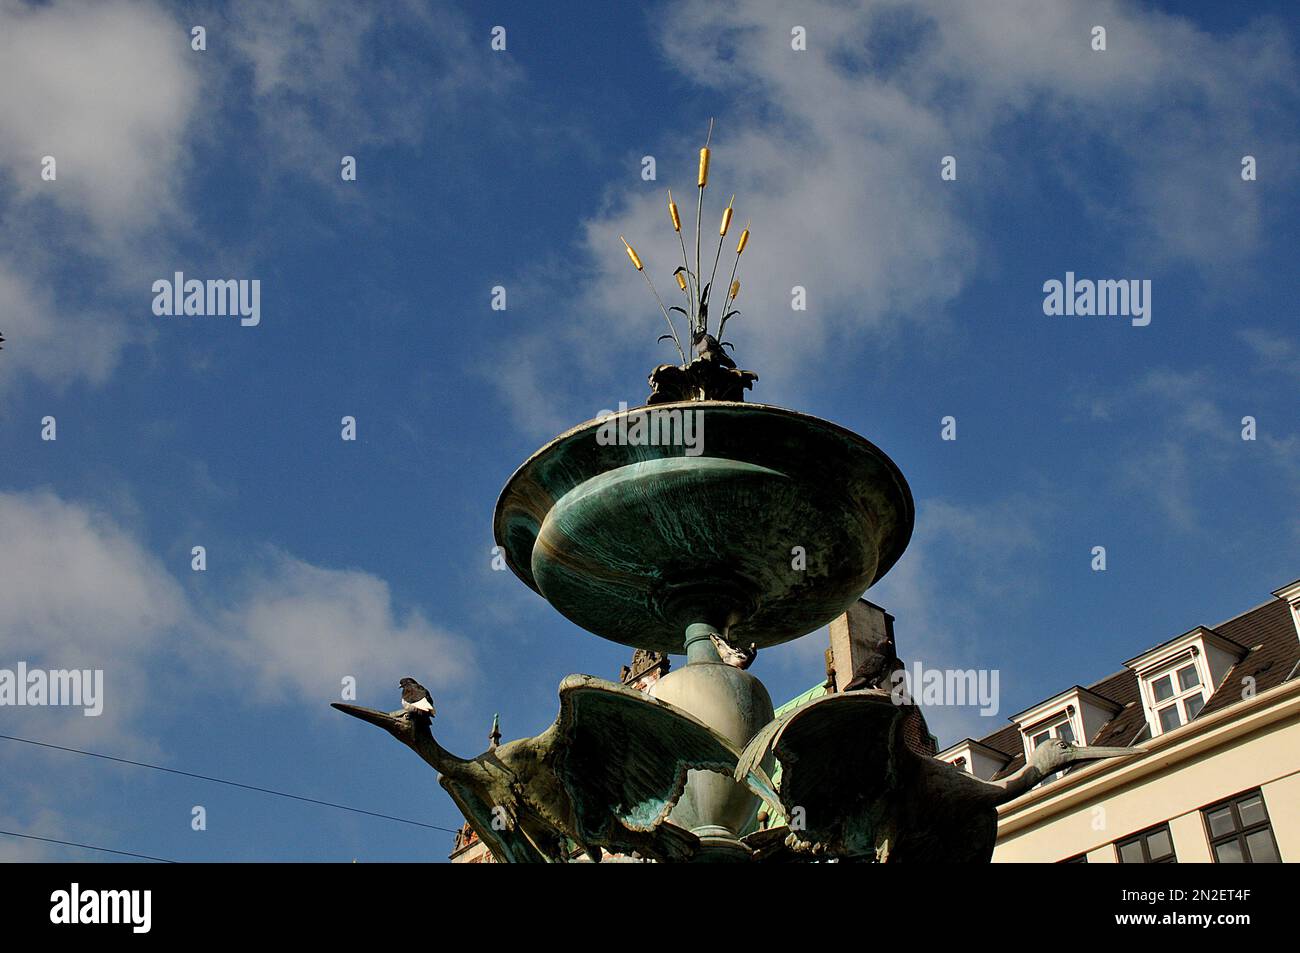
734 704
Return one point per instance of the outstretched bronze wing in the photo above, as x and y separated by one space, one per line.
508 844
840 758
623 756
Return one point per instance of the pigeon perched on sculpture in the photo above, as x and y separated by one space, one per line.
534 799
416 698
732 655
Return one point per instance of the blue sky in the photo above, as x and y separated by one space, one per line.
520 168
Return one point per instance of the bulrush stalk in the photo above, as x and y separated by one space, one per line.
735 284
686 262
702 180
722 233
636 260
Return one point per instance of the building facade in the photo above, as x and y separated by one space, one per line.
1217 710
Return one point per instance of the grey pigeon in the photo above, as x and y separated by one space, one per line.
415 697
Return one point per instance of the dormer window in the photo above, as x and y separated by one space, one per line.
1076 715
1177 696
1178 677
975 758
1063 729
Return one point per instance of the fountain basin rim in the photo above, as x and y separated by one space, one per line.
886 559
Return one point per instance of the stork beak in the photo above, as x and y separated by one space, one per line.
1087 753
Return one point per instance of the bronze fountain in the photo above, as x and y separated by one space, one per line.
774 530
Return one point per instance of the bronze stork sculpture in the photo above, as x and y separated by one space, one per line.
603 776
850 787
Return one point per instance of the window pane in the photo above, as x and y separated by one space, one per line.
1064 731
1131 853
1229 853
1220 821
1169 718
1187 678
1040 738
1163 688
1252 810
1260 845
1159 845
1193 704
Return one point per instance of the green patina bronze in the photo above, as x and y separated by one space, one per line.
635 542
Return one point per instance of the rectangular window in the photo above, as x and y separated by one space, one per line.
1163 688
1153 846
1177 696
1168 718
1240 831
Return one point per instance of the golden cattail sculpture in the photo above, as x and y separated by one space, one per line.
690 281
735 282
701 319
672 329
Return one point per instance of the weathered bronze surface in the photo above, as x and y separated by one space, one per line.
636 541
865 794
604 776
712 375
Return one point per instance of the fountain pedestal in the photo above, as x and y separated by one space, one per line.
772 525
734 704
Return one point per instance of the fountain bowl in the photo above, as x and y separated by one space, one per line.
768 527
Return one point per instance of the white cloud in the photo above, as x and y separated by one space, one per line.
107 88
302 628
113 91
55 346
834 153
81 591
75 581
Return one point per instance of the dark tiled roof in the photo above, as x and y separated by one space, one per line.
1270 636
1273 650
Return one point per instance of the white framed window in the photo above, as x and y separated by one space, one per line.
1176 695
1060 727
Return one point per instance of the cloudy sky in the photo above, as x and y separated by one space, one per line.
520 168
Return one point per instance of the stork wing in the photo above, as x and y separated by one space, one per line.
509 845
623 756
838 758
